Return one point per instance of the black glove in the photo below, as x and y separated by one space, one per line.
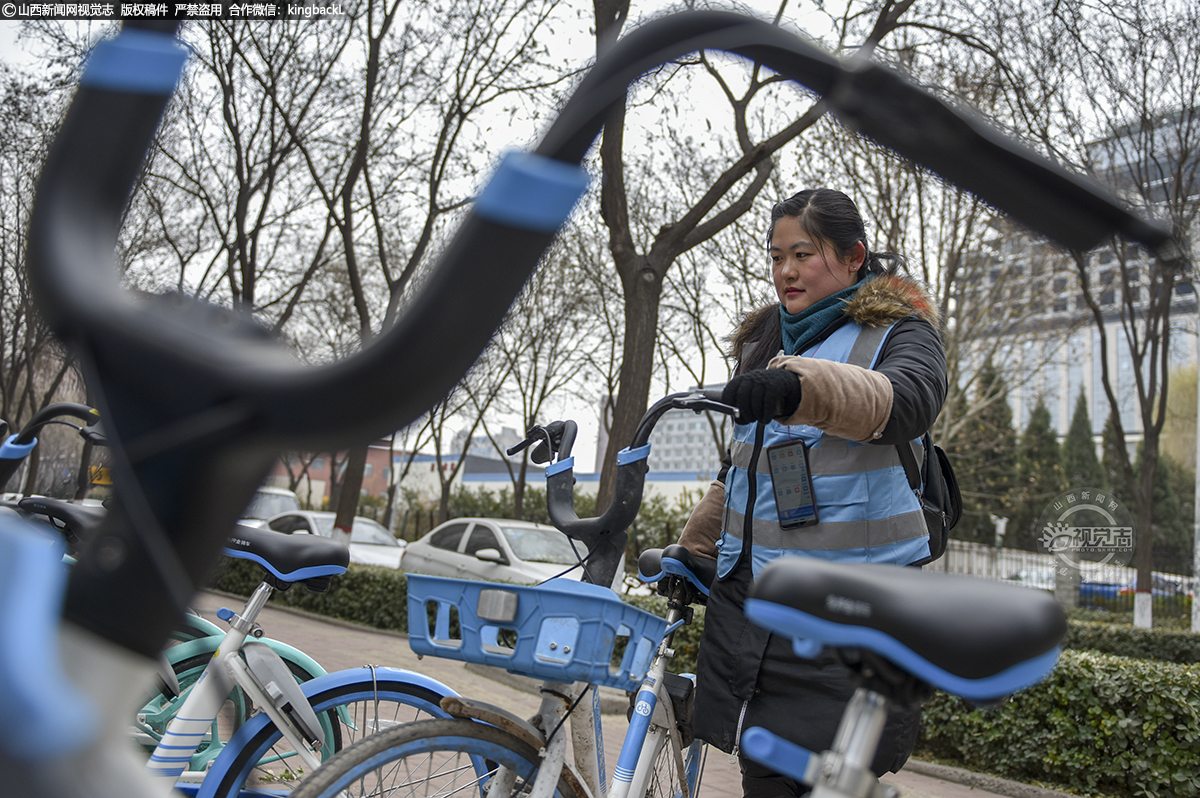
763 395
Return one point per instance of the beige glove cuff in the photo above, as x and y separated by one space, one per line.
844 400
703 528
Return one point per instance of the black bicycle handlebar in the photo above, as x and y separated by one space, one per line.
884 105
201 398
198 400
605 535
14 449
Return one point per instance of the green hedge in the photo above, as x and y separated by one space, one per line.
368 594
1099 723
1126 641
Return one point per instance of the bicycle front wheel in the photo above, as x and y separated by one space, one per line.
454 757
361 703
666 780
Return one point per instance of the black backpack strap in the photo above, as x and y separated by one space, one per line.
909 461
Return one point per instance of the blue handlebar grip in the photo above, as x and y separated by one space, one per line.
778 754
136 61
532 192
55 717
11 450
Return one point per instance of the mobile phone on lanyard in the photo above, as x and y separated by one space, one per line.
790 480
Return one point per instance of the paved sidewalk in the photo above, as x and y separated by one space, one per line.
338 645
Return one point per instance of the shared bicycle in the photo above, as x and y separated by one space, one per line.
573 636
198 400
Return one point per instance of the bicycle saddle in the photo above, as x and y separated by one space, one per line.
654 564
80 520
290 558
971 637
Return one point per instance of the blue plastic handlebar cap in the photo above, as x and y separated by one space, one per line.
532 192
560 466
11 450
137 61
627 456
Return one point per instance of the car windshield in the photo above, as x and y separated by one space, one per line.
367 531
541 545
364 531
269 505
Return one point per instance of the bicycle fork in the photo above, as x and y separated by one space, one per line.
557 699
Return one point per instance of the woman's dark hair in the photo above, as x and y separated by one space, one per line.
833 220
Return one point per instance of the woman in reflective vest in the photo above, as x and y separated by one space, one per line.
847 365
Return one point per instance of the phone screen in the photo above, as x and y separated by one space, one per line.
792 485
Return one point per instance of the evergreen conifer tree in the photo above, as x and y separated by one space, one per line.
987 454
1081 466
1110 464
1174 519
1039 478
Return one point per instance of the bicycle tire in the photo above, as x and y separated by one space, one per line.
247 760
452 757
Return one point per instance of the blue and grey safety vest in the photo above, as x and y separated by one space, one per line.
866 510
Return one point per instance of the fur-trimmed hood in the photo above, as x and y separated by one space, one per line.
880 300
888 298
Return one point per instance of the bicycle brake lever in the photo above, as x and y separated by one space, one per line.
550 444
535 434
523 445
94 434
700 401
557 437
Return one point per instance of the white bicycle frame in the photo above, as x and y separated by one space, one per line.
653 726
195 717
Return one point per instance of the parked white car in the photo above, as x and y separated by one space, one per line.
268 502
494 550
370 542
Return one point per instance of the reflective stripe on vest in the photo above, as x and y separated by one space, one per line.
867 511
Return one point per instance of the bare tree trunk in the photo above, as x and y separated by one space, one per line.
641 327
519 490
1143 556
351 488
32 462
83 477
390 508
443 513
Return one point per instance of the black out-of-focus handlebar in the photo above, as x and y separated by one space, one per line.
880 103
14 449
197 399
201 398
605 535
